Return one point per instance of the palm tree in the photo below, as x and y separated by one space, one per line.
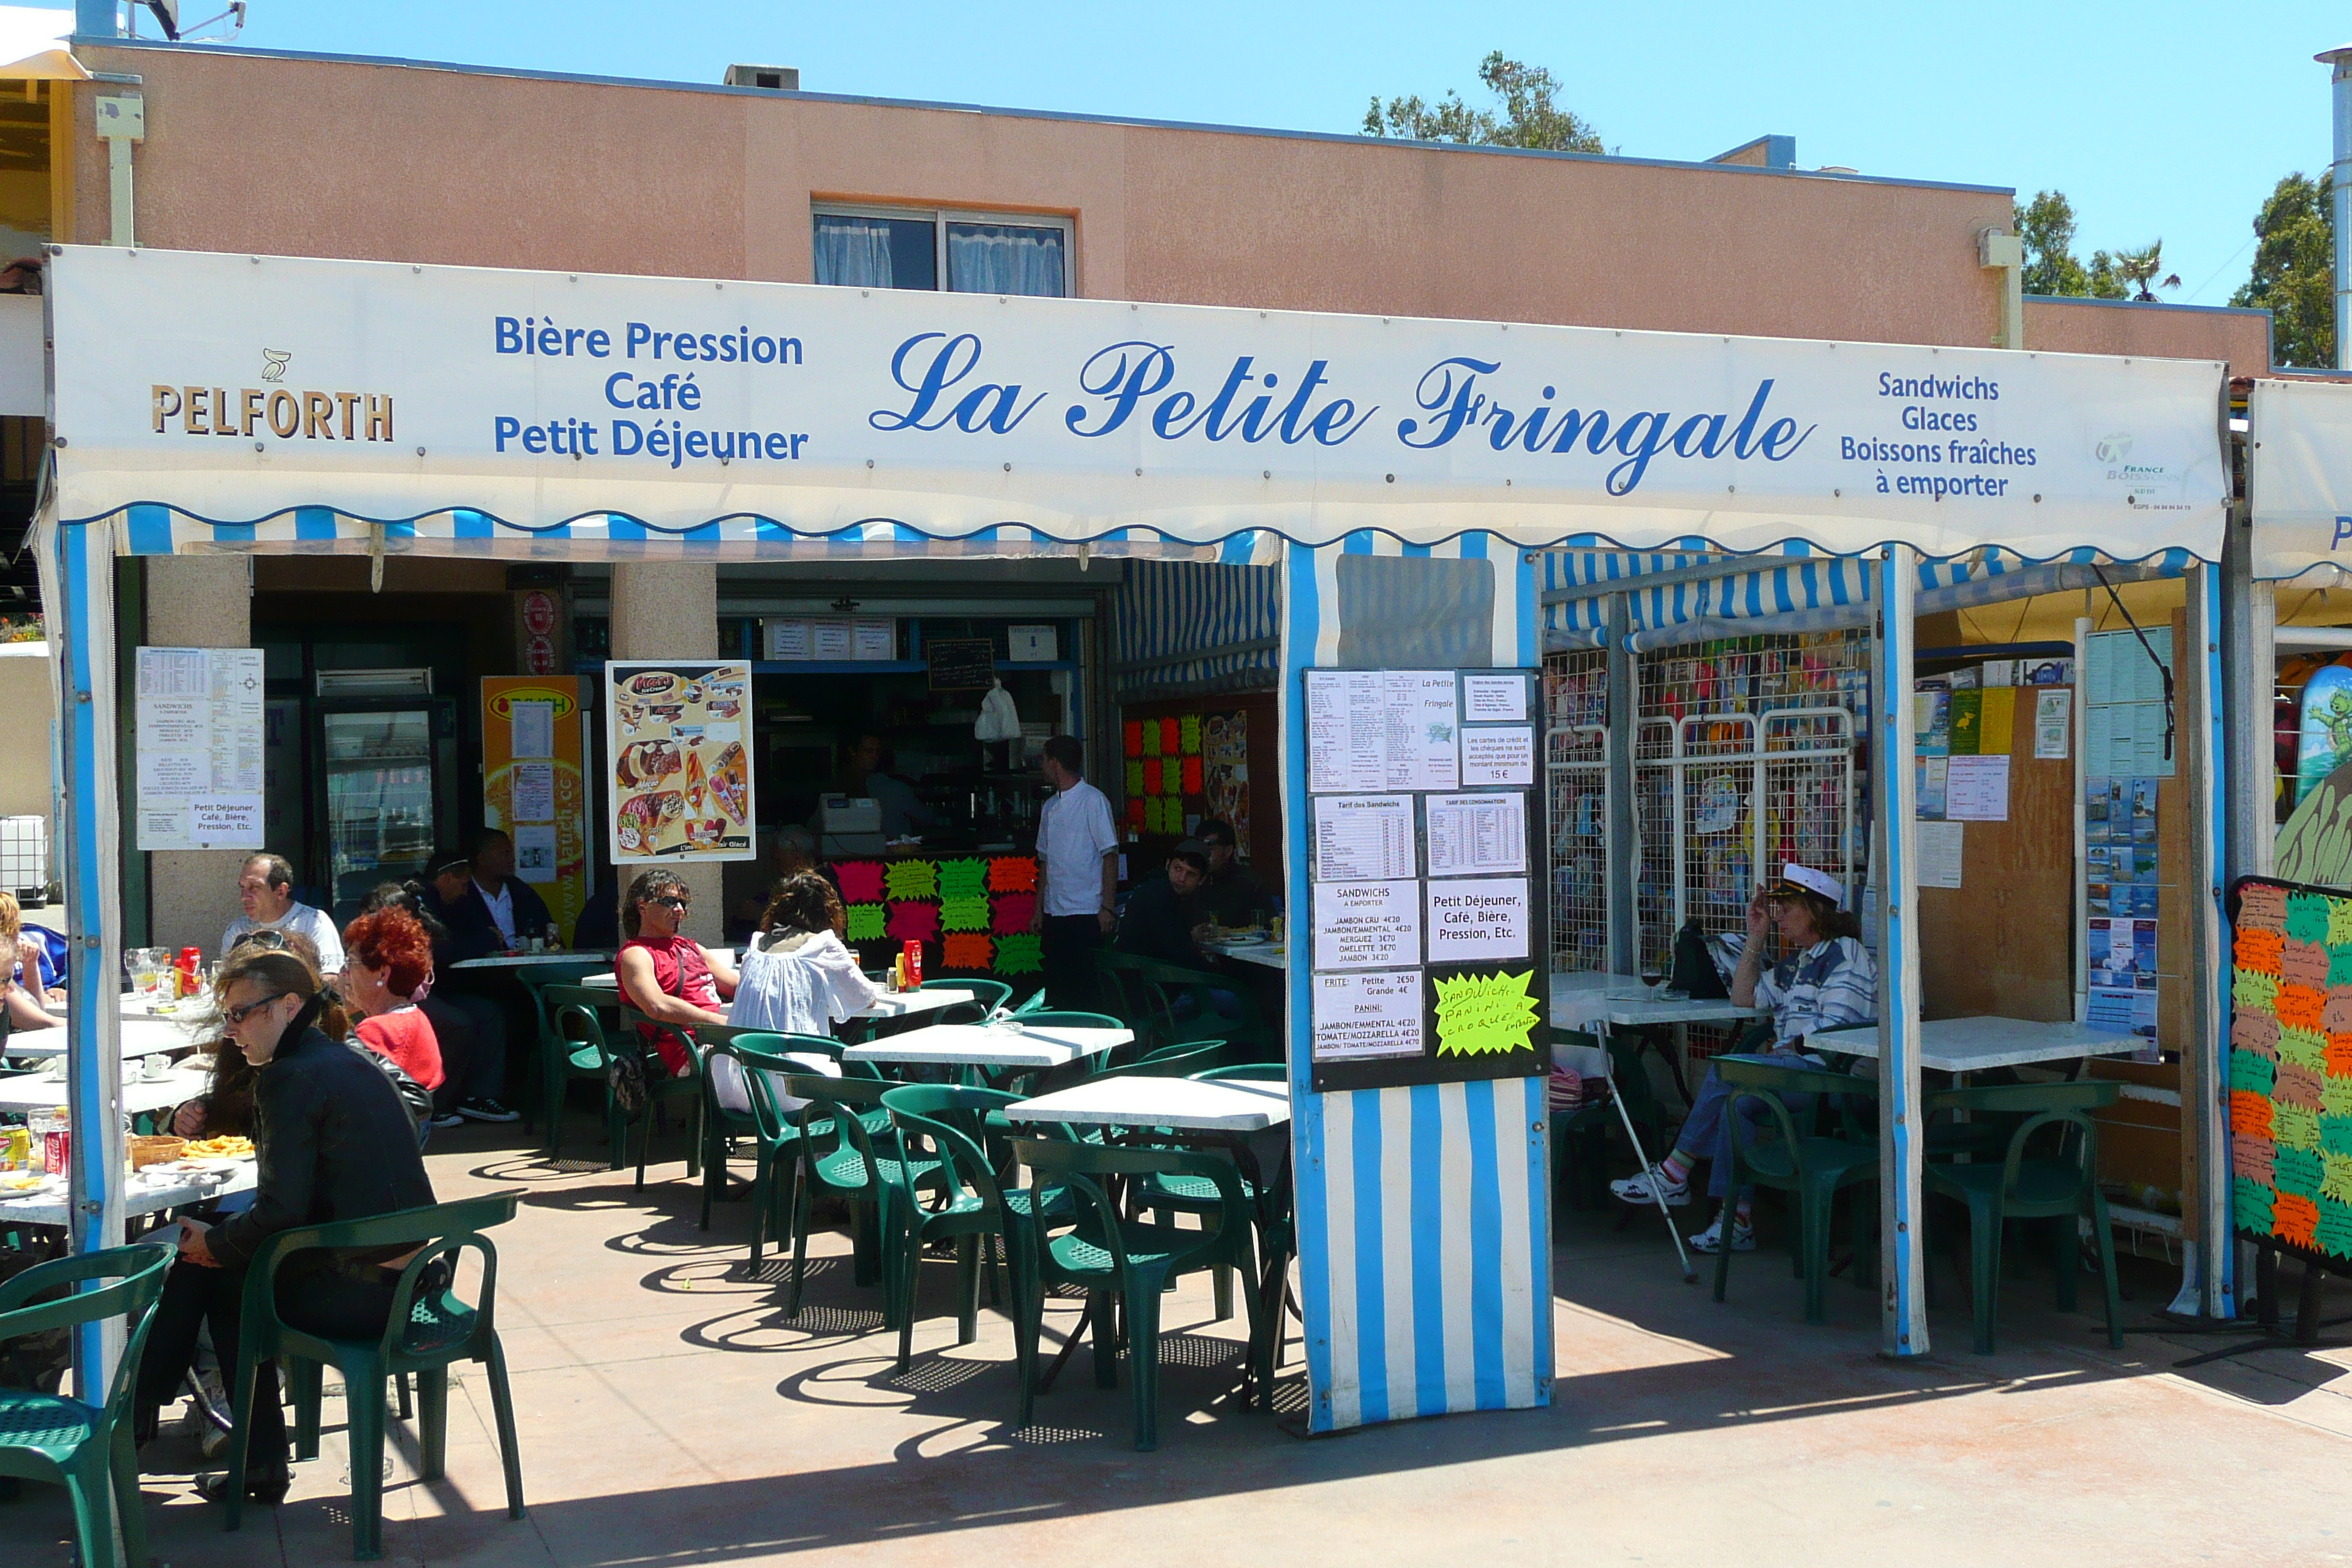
2140 268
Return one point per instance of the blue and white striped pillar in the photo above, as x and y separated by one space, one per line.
77 567
1903 1257
1423 1215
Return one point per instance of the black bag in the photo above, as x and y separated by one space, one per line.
1694 974
624 1069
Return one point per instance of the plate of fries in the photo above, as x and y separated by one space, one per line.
225 1148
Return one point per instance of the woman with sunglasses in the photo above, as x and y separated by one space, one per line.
667 977
333 1141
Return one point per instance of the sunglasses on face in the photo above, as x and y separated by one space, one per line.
672 901
237 1015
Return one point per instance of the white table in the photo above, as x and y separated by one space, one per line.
981 1045
150 1192
1582 1001
1264 955
141 1036
38 1091
1191 1105
1979 1044
889 1005
558 955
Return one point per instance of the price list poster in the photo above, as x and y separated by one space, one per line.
1426 928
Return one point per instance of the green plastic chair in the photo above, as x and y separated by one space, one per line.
87 1449
2049 1171
987 996
838 1154
428 1328
577 1050
775 1129
1198 1195
721 1126
661 1090
1579 1138
949 1126
1800 1161
1172 1003
549 1046
1127 1261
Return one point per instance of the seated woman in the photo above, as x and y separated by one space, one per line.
669 977
21 991
1829 981
334 1143
471 1028
387 957
798 978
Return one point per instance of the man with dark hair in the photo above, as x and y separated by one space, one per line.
513 905
1156 923
264 887
1228 895
1077 875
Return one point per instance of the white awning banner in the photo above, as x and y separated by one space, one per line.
2299 476
235 389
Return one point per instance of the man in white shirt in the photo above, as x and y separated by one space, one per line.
264 886
1077 876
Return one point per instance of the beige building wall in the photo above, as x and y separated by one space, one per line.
2115 327
194 601
27 783
671 610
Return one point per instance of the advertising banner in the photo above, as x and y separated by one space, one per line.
677 761
533 401
534 785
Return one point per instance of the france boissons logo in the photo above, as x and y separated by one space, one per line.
2114 448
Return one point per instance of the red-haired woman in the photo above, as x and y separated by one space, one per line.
387 957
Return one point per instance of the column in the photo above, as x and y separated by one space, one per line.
198 601
2203 764
1903 1257
1624 858
669 609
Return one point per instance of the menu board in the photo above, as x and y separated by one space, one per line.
1426 927
533 786
678 761
2290 1069
199 737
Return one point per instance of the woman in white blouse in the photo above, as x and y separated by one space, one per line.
798 976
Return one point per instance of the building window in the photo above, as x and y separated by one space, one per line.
970 253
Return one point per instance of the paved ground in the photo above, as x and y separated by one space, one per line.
670 1414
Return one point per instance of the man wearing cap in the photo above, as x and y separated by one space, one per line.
1829 980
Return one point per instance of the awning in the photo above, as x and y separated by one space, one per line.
237 390
1183 627
33 46
1805 594
2299 477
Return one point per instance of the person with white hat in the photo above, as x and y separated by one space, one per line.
1828 980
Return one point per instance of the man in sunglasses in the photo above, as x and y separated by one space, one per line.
665 975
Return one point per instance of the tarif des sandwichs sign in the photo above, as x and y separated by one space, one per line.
235 387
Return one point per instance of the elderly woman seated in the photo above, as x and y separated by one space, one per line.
1829 980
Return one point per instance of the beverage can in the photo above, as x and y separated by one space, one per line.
57 1142
20 1148
914 965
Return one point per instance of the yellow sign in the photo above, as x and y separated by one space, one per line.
1479 1014
532 786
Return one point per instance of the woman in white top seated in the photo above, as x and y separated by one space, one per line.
798 976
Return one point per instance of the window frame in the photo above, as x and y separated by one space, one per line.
939 217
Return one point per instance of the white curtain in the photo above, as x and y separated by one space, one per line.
998 258
853 250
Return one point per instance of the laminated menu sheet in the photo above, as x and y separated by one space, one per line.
199 725
1381 728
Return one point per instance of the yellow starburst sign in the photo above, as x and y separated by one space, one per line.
1483 1013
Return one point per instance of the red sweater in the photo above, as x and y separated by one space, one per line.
406 1035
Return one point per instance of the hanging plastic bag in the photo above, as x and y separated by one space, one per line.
999 719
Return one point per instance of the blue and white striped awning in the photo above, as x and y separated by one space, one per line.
1808 592
156 530
1227 616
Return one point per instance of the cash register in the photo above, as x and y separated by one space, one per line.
848 826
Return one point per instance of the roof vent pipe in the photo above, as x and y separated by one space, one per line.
2340 192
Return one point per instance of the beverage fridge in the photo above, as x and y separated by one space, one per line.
383 760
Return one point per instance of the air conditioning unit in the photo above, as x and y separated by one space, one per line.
774 79
376 682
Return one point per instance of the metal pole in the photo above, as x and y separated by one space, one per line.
2204 764
1903 1318
2340 194
1624 829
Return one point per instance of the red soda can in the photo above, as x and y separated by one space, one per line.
914 950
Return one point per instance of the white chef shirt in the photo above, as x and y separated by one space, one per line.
1074 833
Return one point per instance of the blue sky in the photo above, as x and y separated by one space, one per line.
2158 120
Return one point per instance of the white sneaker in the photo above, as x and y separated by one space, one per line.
1710 1240
1653 1186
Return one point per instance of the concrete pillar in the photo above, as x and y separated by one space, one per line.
197 601
668 609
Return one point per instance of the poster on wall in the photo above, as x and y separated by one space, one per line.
535 786
1224 756
678 760
200 739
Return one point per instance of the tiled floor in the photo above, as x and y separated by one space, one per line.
670 1414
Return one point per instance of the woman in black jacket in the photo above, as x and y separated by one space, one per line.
333 1141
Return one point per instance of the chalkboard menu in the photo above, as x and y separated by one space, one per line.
1426 924
962 664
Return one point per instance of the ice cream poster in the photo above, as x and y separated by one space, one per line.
678 761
